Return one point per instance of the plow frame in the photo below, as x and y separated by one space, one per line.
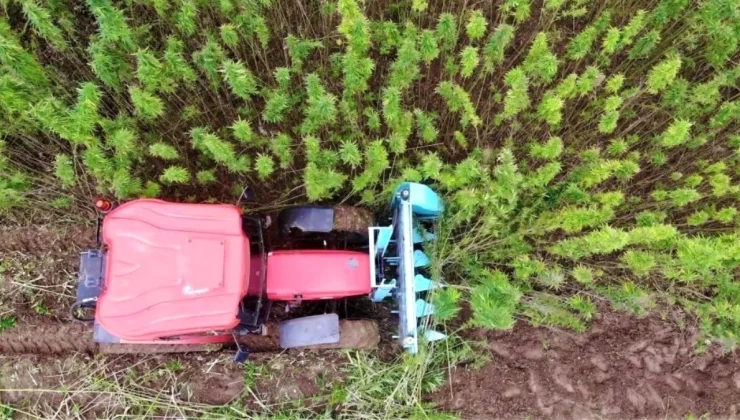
397 264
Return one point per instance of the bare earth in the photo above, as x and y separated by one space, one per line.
624 367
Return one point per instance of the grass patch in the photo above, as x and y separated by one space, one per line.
361 387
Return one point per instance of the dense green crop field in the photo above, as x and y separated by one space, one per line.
588 150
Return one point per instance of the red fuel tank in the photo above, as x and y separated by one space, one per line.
317 274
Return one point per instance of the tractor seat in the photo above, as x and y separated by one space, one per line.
317 274
172 269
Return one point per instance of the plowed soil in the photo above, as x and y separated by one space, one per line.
623 367
38 270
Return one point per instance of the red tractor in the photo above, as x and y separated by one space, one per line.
183 277
195 274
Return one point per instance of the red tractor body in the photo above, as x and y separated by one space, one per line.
182 271
317 274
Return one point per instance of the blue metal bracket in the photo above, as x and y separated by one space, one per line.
421 259
420 237
431 335
383 291
423 308
423 284
384 238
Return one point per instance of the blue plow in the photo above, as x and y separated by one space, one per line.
399 266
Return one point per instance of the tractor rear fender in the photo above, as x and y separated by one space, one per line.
309 331
328 332
307 219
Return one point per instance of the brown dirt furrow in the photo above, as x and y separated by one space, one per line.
48 339
623 367
72 338
39 239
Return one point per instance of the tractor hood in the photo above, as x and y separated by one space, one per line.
172 269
